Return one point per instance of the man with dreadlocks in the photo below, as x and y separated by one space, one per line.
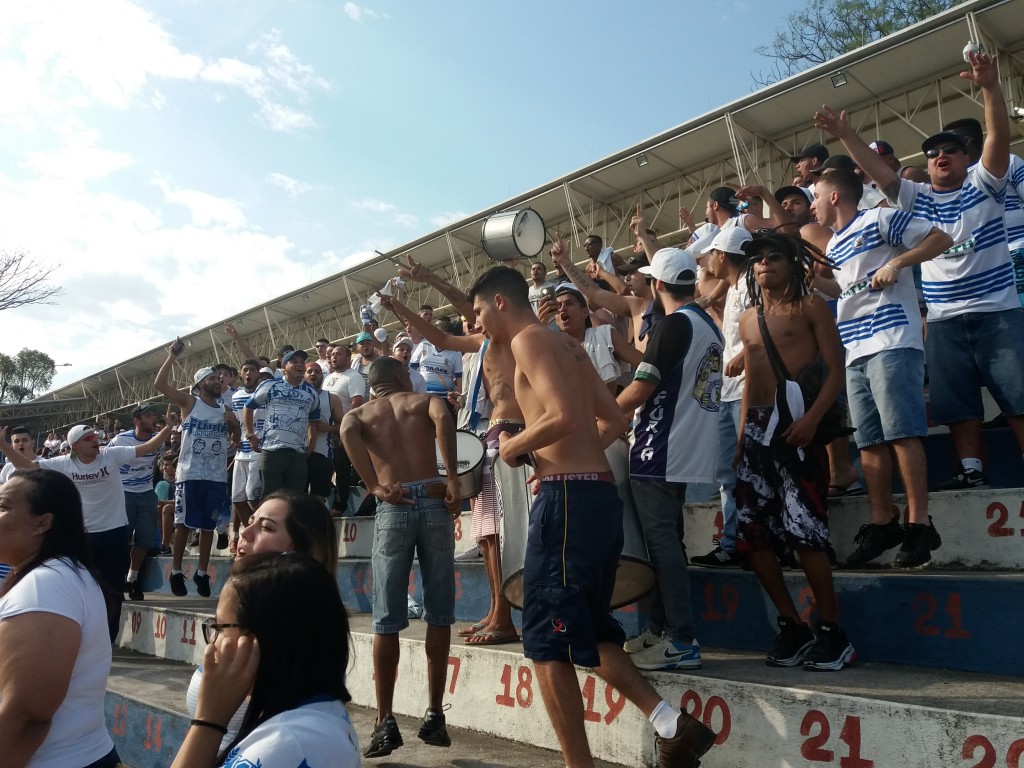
781 473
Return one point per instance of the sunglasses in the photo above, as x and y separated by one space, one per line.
769 256
948 149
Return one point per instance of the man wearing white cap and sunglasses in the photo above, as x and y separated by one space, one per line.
96 474
206 427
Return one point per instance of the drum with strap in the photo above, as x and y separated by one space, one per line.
470 452
513 235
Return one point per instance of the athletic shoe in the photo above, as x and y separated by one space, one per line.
135 591
872 540
645 640
718 558
964 480
918 542
178 588
668 654
385 738
684 750
202 584
832 649
794 641
222 541
433 730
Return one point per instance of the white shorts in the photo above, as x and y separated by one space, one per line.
246 481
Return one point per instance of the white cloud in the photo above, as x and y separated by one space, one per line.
357 12
206 210
372 204
293 187
78 161
448 217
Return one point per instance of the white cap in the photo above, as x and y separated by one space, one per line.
729 240
201 374
381 335
268 371
79 431
669 264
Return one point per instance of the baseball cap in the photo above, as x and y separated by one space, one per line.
79 431
726 197
941 138
836 162
632 265
295 353
882 147
811 150
141 409
669 264
202 373
563 288
729 240
364 336
313 364
267 372
788 191
404 341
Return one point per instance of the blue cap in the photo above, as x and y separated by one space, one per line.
364 336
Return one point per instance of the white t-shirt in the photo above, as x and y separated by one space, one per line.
78 734
99 485
737 301
599 347
316 735
346 385
439 367
975 274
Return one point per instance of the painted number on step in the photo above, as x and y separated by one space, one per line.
816 728
160 627
136 622
720 601
716 537
981 749
522 685
455 663
1000 515
349 531
188 637
614 700
120 725
714 713
458 529
927 624
153 738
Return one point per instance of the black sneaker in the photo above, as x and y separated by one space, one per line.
832 649
385 738
178 588
965 480
433 730
794 641
873 539
202 584
222 541
718 558
918 542
684 750
135 591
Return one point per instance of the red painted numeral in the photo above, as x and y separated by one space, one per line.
160 627
455 663
813 746
805 605
349 531
716 537
590 715
690 702
185 638
524 688
850 736
926 606
728 596
988 752
153 738
1014 754
120 726
364 581
1001 514
458 529
615 701
136 622
458 585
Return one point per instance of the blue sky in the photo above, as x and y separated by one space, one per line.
184 160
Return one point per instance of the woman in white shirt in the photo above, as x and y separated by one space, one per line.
281 637
54 647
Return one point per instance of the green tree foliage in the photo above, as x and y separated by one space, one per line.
23 375
829 28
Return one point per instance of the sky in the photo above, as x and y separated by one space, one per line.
172 163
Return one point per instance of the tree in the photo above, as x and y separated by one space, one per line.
23 282
829 28
24 374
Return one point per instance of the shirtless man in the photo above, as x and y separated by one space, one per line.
781 473
575 525
499 368
390 441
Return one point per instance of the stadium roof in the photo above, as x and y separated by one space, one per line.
900 88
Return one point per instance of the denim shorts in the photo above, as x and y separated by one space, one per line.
971 351
886 393
425 529
141 511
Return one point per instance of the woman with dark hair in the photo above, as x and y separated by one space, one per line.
288 521
280 637
54 647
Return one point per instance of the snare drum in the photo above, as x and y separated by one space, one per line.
469 452
513 235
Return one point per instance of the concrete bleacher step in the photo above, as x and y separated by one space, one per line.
868 715
145 708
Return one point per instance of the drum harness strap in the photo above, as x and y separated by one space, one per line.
474 418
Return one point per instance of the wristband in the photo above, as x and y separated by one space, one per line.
221 729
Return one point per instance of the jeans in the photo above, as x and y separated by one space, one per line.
659 505
110 556
728 432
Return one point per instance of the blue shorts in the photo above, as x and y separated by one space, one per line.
197 503
425 529
572 554
887 396
971 351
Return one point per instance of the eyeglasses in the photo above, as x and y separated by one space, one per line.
212 630
948 149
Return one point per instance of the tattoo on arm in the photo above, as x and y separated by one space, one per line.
580 278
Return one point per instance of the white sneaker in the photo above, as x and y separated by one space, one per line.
645 640
668 654
468 556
